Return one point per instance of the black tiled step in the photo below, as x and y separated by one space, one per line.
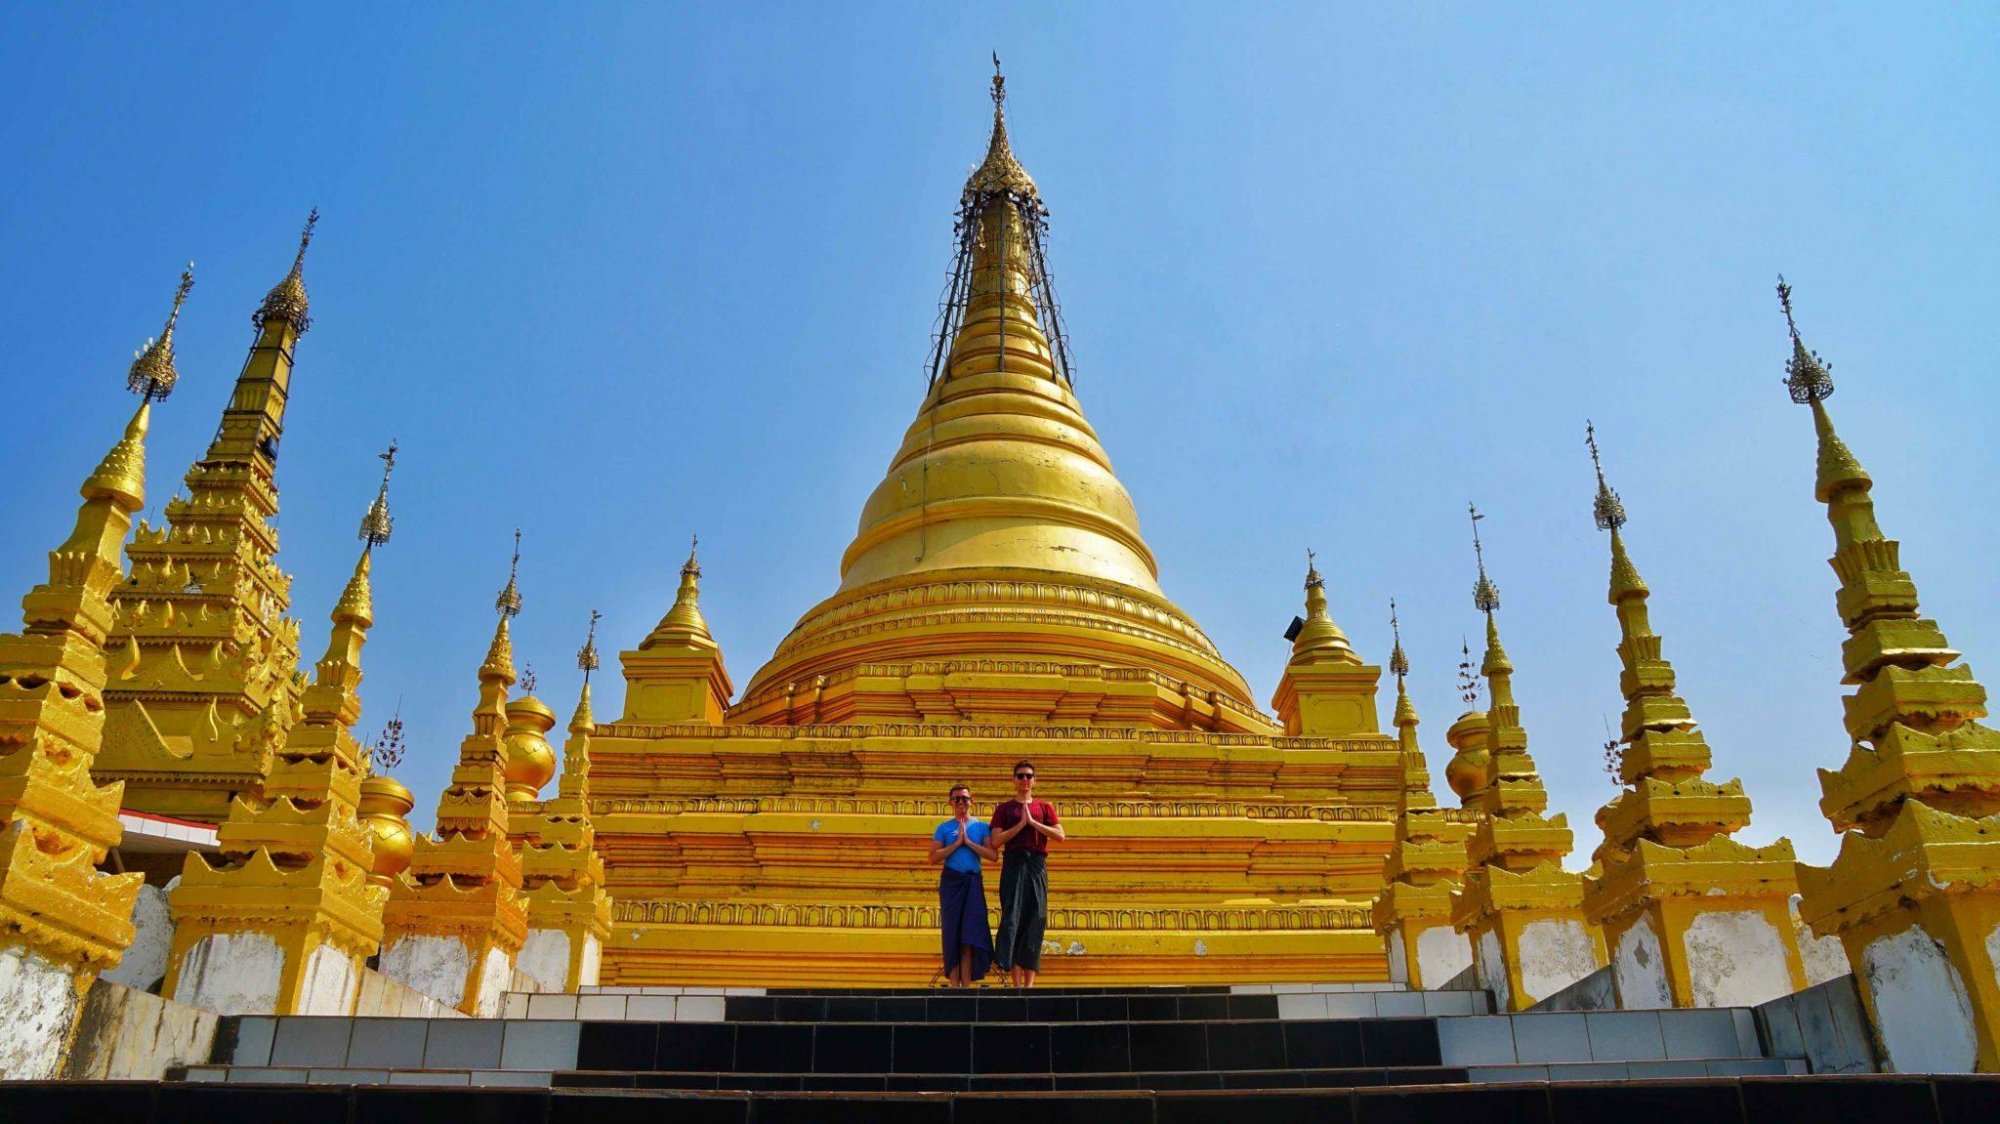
1354 1078
1006 1047
1015 1007
1193 989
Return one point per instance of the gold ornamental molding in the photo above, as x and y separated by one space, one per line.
1072 808
1169 919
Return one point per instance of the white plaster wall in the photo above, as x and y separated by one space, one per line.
1921 1009
1442 953
1640 968
436 966
1993 952
544 958
145 961
493 977
1555 953
38 1007
1492 973
232 974
126 1034
1825 957
1736 959
593 959
1399 969
331 983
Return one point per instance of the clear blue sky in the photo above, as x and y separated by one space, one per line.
620 274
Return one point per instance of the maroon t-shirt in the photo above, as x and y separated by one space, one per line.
1009 814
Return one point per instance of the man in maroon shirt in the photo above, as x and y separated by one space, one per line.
1023 826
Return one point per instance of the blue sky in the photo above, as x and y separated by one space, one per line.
616 275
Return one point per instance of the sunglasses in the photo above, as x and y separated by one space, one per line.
961 799
1024 776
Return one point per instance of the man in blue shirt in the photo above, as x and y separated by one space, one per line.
958 844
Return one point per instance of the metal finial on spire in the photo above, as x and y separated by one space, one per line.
1808 377
388 750
287 299
1485 595
508 604
586 656
1608 508
1468 674
1312 569
377 524
1399 664
152 375
999 85
528 679
692 568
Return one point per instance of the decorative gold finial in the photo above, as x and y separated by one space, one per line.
389 748
1399 664
528 680
586 656
377 524
1000 173
508 604
1468 674
692 568
1313 580
999 85
1608 508
152 375
1808 377
1485 595
287 299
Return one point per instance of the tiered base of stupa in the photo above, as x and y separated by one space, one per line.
760 855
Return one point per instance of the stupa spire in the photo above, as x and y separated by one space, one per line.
1416 774
334 695
153 375
684 623
1316 636
287 299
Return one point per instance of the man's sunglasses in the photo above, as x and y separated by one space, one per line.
961 799
1024 776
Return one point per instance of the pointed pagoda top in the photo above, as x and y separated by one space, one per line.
287 299
152 375
1318 637
684 624
377 524
499 663
1609 512
508 604
1809 379
1485 595
582 721
1399 666
1000 173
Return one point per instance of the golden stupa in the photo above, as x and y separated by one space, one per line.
997 603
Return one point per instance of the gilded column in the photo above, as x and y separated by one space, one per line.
1521 909
1413 912
283 916
206 681
1914 893
1692 918
456 918
62 922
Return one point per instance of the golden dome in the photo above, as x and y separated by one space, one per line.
531 761
1466 773
383 809
1000 532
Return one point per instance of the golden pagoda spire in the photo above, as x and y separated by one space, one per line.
575 782
287 299
62 922
1000 173
213 683
153 375
684 624
1317 637
1326 691
1668 879
498 668
1912 892
1416 774
293 866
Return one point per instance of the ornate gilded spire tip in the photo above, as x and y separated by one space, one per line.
1399 663
528 679
1485 595
1608 509
152 375
692 567
1808 377
508 604
586 656
377 524
1313 580
287 299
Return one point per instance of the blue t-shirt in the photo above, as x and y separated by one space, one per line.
965 860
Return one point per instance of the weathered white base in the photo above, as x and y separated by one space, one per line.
1825 957
145 960
1399 970
1492 971
38 1008
331 983
1640 968
128 1035
436 966
1442 952
1555 953
1736 959
544 958
593 960
231 974
1922 1011
494 975
1993 952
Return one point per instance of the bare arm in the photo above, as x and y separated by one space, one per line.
983 851
1052 830
939 854
1001 835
